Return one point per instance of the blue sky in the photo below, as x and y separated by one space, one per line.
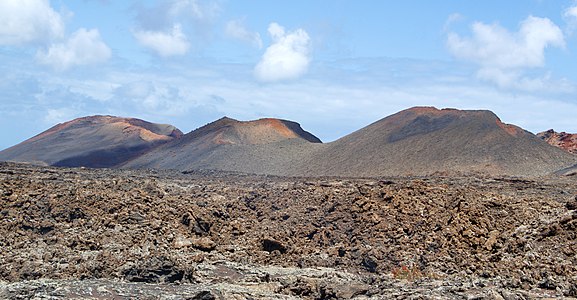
333 66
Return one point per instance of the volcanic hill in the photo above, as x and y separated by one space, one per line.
253 146
416 141
95 141
425 140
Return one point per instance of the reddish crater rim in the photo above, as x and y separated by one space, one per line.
101 119
510 129
563 140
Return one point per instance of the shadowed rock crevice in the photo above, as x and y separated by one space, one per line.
156 270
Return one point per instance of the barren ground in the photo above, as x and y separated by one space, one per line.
80 233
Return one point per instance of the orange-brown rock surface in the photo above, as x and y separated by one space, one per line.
243 236
563 140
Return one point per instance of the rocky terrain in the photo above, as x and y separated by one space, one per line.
563 140
123 234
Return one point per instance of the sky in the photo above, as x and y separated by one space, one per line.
334 66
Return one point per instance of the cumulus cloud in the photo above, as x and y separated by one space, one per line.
27 21
164 43
288 57
493 45
237 30
503 55
84 47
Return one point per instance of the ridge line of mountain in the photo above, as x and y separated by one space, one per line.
418 140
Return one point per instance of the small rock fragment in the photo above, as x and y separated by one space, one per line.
203 244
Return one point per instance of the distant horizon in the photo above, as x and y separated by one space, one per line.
264 118
331 66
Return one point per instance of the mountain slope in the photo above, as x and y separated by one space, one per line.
563 140
416 141
425 140
260 146
95 141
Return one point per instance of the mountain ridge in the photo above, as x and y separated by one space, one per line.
425 140
416 141
199 148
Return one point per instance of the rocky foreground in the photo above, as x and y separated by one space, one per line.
100 234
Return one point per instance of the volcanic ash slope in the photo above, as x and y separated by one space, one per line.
426 140
265 146
95 141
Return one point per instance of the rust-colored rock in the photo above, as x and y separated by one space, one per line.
563 140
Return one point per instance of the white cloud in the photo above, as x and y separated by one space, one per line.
517 79
201 10
84 47
164 13
237 30
453 18
160 96
165 26
503 55
26 21
164 43
287 58
571 18
571 12
493 45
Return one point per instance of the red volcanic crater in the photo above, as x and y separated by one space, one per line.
563 140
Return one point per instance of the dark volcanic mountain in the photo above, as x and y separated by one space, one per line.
416 141
563 140
96 141
424 140
260 146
